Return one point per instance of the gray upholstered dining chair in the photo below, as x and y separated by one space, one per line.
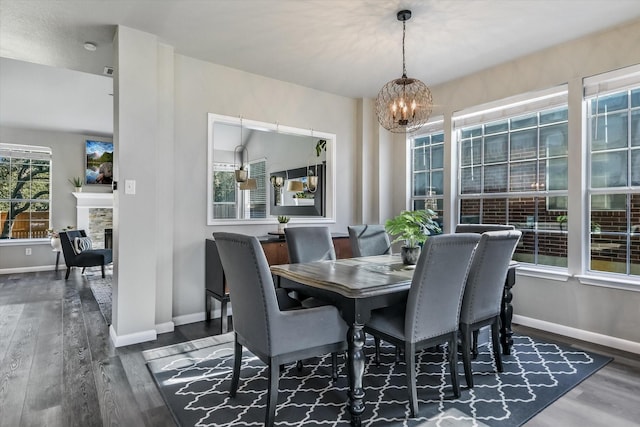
369 240
432 311
483 293
308 244
276 337
482 228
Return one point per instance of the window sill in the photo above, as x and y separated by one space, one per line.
609 282
549 273
24 242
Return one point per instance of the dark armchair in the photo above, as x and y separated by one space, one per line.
87 258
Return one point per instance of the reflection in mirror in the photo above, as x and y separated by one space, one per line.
292 169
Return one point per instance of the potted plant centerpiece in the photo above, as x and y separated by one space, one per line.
282 223
414 227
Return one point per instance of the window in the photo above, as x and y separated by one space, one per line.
613 118
513 169
228 199
427 169
25 182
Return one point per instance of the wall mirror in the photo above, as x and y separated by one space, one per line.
289 171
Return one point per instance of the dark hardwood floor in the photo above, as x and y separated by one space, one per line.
59 368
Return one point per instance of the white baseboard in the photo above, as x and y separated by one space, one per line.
163 328
581 334
189 318
129 339
29 269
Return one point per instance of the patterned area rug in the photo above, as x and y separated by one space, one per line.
194 380
101 289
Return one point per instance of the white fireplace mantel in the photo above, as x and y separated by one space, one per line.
86 201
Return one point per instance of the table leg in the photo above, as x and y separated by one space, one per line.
506 313
355 339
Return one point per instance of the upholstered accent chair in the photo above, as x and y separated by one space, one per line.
431 314
483 293
276 337
85 258
369 240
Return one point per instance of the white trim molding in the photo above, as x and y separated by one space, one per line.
32 269
129 339
581 334
163 328
189 318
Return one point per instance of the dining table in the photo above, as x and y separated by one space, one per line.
356 286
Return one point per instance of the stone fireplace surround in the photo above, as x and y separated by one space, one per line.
94 214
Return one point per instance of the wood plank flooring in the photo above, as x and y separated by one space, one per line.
59 368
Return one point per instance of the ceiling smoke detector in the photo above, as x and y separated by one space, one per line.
90 46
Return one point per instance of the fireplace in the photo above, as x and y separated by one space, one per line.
95 216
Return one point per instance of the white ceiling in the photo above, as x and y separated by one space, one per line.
346 47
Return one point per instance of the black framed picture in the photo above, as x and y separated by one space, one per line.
99 166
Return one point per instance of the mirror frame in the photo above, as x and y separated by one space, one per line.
329 170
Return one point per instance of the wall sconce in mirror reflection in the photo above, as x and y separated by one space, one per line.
295 186
249 184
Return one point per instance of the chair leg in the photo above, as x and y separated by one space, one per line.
66 276
410 363
465 335
102 266
237 361
334 366
495 343
453 364
83 268
474 345
272 396
376 340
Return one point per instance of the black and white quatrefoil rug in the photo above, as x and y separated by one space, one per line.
194 379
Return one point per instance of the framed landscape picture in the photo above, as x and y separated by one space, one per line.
99 155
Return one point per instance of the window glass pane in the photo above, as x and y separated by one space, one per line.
438 137
524 121
605 104
609 202
553 141
522 211
437 157
609 131
635 167
523 176
557 203
554 116
609 220
495 179
526 249
470 152
550 219
495 127
421 159
552 249
470 180
419 142
556 175
437 184
609 169
609 253
471 132
635 98
524 144
420 183
494 211
469 211
635 128
634 255
495 148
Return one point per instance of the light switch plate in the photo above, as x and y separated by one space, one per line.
130 186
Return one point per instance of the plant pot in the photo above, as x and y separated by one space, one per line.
410 255
78 189
281 227
55 244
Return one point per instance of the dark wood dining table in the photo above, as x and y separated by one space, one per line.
356 286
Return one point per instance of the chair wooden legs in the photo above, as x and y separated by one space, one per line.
102 270
334 367
465 343
376 340
453 363
66 276
495 343
272 396
410 363
237 362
